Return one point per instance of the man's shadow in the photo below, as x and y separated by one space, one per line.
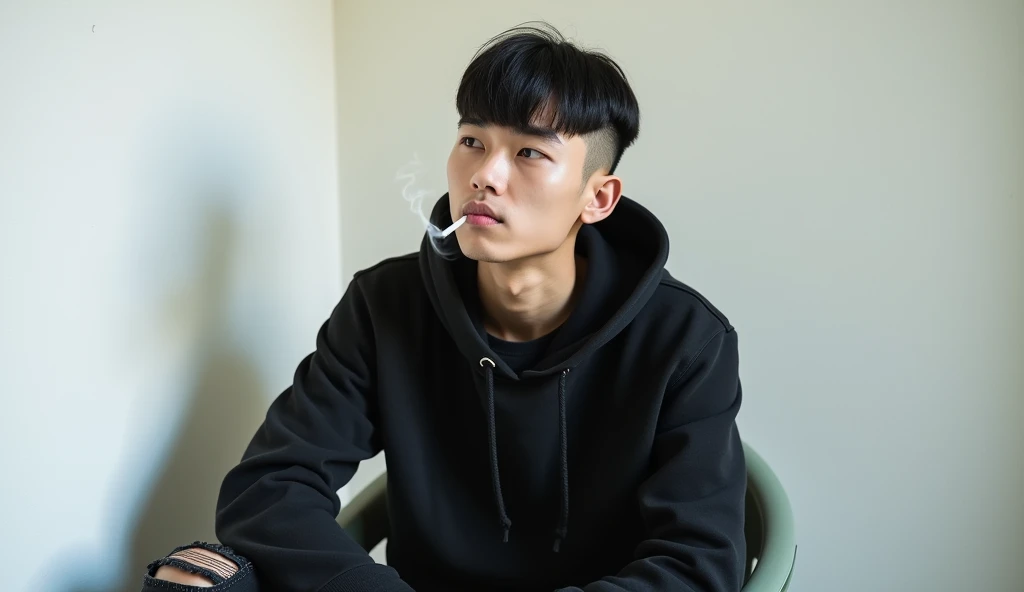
225 405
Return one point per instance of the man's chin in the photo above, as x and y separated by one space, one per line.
483 258
484 255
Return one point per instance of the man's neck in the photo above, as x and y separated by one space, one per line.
527 299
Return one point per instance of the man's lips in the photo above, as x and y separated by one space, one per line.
481 220
480 214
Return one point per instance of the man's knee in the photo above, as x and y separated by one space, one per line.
202 565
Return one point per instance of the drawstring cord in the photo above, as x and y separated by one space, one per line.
562 530
563 521
506 524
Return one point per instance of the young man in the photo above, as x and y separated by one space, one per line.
558 412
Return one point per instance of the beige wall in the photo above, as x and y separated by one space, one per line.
845 180
168 249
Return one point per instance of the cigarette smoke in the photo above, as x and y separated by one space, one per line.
446 247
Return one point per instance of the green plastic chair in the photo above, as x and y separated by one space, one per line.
769 528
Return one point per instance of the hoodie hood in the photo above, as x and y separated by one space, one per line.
626 253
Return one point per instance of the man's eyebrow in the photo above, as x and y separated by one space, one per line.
541 132
530 130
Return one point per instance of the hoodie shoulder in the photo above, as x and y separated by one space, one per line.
388 265
681 295
390 271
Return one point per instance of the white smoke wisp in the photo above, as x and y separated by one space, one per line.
442 241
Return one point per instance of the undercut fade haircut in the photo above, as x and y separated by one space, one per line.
532 71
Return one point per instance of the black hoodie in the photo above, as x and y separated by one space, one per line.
612 463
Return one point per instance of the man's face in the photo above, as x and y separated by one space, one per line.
526 188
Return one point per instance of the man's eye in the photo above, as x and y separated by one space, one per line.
471 142
531 153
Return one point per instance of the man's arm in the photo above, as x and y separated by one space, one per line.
278 506
693 503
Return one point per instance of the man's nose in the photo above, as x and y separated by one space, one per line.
492 175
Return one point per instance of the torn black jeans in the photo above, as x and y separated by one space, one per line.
244 580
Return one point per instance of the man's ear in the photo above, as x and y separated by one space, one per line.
606 191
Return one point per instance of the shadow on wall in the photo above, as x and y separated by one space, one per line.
225 408
191 254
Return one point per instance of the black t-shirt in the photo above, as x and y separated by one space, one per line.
521 355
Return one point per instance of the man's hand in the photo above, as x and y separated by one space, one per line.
199 557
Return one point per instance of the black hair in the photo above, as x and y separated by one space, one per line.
518 74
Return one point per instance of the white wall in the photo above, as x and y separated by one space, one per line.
845 180
168 249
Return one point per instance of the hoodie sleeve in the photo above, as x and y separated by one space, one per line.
278 507
693 503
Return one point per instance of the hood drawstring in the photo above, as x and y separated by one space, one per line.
506 524
563 520
562 530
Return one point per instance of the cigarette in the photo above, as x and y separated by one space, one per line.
455 226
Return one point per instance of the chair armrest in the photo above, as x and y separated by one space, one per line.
365 518
778 547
